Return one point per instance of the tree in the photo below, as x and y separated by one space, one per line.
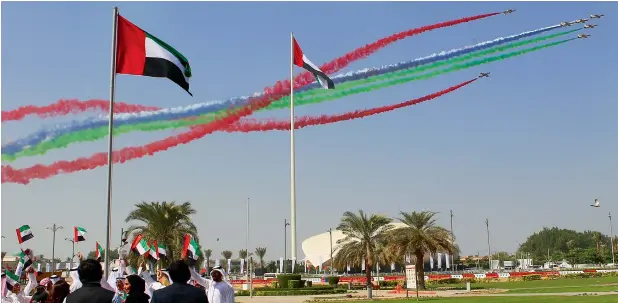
166 222
560 242
207 255
113 254
365 236
227 254
242 254
261 252
421 236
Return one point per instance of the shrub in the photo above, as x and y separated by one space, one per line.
274 284
448 281
333 280
388 283
309 283
292 292
294 284
284 279
532 277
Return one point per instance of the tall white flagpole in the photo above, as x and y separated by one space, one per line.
112 90
292 154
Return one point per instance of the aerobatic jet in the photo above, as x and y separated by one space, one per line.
581 20
590 26
583 36
596 16
596 203
565 23
484 75
508 11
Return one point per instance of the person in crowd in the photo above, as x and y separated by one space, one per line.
59 292
40 295
218 289
90 274
16 294
4 288
179 290
54 279
48 284
135 288
120 295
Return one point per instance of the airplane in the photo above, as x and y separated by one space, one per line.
596 203
596 16
590 26
565 23
583 36
508 11
581 20
484 75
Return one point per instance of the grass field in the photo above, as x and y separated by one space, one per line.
530 299
546 286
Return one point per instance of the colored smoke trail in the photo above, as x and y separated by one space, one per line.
65 107
302 122
62 107
205 108
280 89
305 98
25 175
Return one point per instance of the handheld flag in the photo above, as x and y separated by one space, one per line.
153 253
162 250
301 60
139 245
190 246
79 234
24 234
142 54
98 251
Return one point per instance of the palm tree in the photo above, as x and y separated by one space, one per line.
364 240
419 237
261 252
242 254
227 254
166 222
207 255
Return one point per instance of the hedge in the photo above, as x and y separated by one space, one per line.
292 292
284 279
333 280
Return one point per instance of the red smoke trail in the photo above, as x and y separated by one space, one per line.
302 122
24 176
64 107
280 89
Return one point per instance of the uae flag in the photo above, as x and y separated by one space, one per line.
162 250
190 248
301 61
79 234
11 279
125 236
142 54
139 245
153 253
98 252
24 234
24 262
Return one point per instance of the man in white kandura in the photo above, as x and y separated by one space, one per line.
217 289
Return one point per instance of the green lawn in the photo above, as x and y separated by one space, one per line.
587 284
587 288
530 299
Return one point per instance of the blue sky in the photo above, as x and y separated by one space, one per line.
529 147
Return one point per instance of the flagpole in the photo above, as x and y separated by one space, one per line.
292 153
112 90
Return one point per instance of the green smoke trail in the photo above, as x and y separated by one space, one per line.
394 77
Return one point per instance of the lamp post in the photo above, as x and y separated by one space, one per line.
73 254
54 229
285 241
488 242
330 232
611 238
453 243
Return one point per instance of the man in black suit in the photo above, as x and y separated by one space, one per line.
179 291
90 274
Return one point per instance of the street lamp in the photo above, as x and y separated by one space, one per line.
285 241
611 238
488 242
54 229
330 232
73 254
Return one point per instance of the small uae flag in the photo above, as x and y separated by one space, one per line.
79 234
190 246
11 278
24 234
153 254
24 261
139 245
98 251
142 54
162 250
301 61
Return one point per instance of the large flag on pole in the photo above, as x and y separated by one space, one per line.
142 54
79 234
301 60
